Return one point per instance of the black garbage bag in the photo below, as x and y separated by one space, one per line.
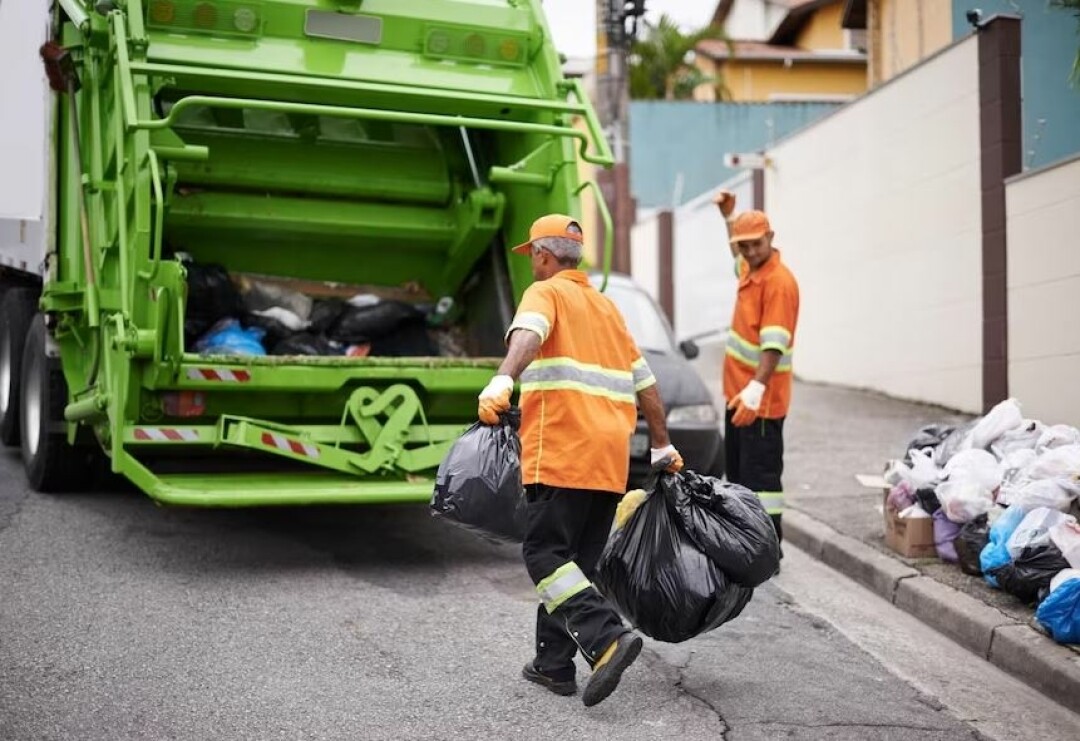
324 313
928 500
930 436
211 297
1028 576
478 485
409 340
274 330
729 524
658 571
973 537
306 343
358 324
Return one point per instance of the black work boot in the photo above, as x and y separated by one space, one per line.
608 670
562 687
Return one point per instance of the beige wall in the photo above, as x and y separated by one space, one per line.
823 31
877 211
1043 210
911 30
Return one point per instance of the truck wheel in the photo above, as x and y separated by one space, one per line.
17 309
51 464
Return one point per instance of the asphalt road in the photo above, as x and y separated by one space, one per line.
123 620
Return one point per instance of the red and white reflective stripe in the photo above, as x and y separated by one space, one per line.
166 434
290 446
219 374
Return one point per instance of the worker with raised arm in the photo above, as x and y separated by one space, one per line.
757 365
582 380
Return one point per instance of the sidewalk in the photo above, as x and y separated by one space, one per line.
833 434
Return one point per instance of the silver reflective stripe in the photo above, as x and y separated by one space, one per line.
775 338
749 354
643 375
561 585
533 321
772 501
565 374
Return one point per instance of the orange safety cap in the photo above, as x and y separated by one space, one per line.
552 225
750 225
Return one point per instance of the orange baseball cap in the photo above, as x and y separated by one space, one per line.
552 225
750 225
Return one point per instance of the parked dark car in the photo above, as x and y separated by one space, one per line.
693 421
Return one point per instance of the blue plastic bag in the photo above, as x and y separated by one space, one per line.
995 554
227 337
1060 612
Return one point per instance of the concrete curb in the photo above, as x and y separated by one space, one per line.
1014 647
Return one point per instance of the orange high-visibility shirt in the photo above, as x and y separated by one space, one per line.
579 396
766 312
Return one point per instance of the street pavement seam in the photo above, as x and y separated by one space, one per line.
1012 646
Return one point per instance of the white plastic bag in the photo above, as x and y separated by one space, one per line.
1057 436
1034 530
914 512
1063 576
1002 418
1066 536
963 501
924 473
1029 495
1025 437
975 466
1058 463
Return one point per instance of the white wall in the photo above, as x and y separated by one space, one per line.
877 211
1043 266
644 253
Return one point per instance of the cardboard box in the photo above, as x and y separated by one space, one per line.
911 537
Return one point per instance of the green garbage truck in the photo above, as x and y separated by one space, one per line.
167 160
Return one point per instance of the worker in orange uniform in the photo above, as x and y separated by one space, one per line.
582 379
757 366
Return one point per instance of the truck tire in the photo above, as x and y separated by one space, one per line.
17 309
51 464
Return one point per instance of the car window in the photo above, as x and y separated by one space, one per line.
643 319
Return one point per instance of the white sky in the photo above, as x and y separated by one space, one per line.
573 22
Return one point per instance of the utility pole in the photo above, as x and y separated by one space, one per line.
616 25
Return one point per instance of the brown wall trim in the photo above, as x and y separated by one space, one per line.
758 188
1001 158
665 225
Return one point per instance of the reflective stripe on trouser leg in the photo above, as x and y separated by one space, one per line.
772 501
561 584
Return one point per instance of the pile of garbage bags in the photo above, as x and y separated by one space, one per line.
687 558
238 315
478 485
1003 494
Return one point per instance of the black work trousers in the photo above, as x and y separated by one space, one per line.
754 458
565 533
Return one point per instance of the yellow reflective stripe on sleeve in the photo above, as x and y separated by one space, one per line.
643 375
775 338
532 321
571 363
562 584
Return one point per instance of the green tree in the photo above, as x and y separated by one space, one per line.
1074 6
661 62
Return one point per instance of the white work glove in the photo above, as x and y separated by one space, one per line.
669 454
495 399
747 404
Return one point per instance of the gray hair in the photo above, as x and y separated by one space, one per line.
567 251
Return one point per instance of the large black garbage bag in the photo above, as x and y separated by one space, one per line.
358 324
478 485
409 340
928 500
1028 577
973 537
659 575
325 313
211 297
729 524
306 343
930 436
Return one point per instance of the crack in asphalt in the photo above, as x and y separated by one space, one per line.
683 688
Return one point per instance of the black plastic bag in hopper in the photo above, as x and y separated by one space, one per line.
930 436
305 343
973 537
1028 577
478 485
211 297
358 324
660 576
